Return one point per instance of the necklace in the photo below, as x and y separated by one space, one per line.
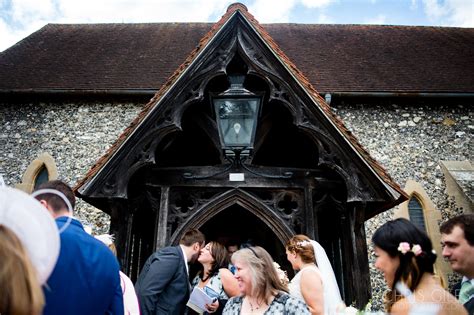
253 308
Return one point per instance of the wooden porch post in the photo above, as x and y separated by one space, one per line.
311 218
162 219
355 254
120 226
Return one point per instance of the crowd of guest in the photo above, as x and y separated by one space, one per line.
50 265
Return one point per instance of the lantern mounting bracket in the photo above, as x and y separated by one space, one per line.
237 162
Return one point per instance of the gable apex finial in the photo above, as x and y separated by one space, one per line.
237 6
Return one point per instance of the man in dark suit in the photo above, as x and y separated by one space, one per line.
163 284
86 277
457 238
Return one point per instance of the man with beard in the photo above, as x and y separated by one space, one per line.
163 284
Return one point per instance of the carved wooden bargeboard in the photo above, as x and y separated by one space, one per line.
333 188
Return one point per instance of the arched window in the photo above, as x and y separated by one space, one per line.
416 213
40 170
42 176
420 210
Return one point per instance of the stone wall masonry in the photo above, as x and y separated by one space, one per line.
74 134
408 140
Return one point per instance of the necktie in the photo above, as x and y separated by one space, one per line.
467 290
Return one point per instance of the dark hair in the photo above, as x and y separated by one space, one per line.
301 245
54 201
221 258
412 267
465 223
192 236
232 243
248 243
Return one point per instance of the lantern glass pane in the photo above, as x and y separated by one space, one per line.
236 120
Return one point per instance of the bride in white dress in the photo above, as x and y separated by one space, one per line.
315 282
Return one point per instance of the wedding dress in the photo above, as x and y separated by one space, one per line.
331 294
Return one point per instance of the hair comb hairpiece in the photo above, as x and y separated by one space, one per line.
404 247
303 243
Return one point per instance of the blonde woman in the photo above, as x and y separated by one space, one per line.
261 289
314 281
19 285
29 248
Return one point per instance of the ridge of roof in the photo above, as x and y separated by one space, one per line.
298 75
385 26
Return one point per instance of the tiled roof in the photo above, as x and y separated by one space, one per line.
377 168
99 56
375 58
335 58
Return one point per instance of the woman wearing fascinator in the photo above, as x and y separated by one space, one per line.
29 249
314 281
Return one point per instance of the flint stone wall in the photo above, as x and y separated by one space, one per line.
408 140
74 134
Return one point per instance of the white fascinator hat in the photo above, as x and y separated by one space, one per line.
34 226
107 239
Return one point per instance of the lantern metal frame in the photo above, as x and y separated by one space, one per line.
227 107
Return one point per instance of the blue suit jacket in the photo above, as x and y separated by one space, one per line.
163 284
86 277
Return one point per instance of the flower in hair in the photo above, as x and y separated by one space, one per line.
303 243
404 247
416 249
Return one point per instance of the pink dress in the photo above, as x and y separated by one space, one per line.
130 301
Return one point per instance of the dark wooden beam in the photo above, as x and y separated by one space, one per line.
357 276
362 278
120 228
162 219
175 177
311 227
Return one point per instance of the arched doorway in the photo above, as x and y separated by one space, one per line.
237 225
168 171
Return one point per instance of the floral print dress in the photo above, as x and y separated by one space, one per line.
215 284
283 303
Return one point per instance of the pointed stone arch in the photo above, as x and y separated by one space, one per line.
44 163
247 201
431 217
